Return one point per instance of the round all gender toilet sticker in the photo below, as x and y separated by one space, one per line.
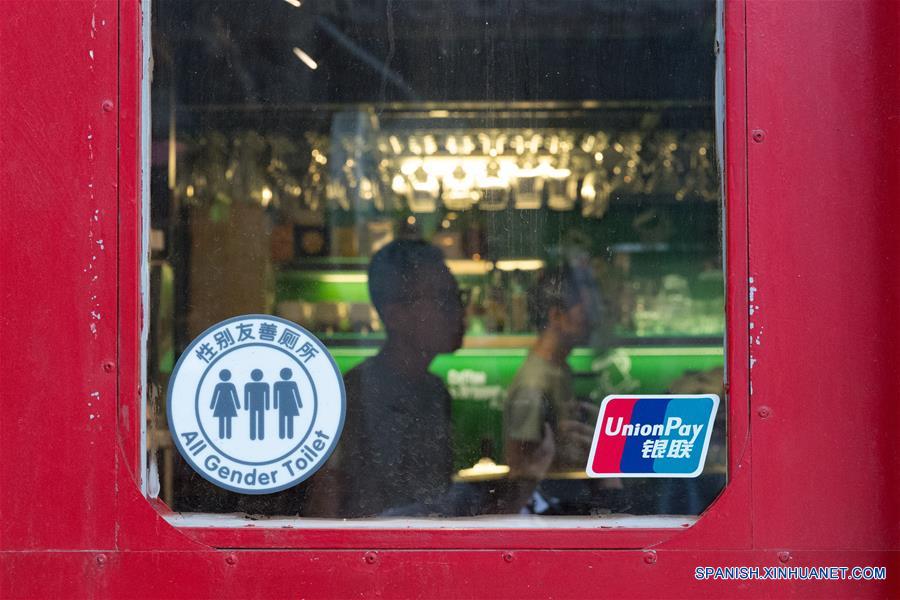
256 404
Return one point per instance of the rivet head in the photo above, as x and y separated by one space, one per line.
107 105
508 556
101 559
764 412
650 557
758 135
784 556
108 366
370 557
231 559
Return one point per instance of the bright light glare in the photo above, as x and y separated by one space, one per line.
294 3
306 58
532 264
266 196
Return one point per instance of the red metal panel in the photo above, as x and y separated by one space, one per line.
457 574
824 254
58 263
130 315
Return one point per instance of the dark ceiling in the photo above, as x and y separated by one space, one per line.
236 53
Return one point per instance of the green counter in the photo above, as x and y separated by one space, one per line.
478 379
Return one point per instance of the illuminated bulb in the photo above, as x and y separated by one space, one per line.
500 145
468 146
430 144
266 196
452 148
588 191
399 184
189 191
587 144
294 3
518 144
306 58
410 220
598 157
366 189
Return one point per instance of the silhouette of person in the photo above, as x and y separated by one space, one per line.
287 403
541 400
395 453
256 400
395 449
225 403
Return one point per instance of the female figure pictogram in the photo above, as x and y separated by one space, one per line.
288 404
225 403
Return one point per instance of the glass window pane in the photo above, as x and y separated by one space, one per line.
494 214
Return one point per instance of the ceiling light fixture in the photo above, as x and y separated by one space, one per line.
306 58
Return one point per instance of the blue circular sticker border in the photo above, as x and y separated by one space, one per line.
247 462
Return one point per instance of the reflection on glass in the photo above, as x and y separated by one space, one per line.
542 151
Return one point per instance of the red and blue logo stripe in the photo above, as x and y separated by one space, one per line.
652 436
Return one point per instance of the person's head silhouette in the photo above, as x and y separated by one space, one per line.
559 307
256 375
285 374
417 297
224 374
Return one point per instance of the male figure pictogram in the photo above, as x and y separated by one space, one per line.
256 400
287 402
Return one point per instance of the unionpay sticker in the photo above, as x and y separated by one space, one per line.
652 436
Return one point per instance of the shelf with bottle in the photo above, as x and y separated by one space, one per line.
333 301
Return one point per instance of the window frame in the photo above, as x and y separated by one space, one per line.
726 522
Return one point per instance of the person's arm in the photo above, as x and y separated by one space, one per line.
266 396
529 445
296 394
528 464
233 396
212 405
275 394
246 398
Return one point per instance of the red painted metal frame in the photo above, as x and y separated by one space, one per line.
812 175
